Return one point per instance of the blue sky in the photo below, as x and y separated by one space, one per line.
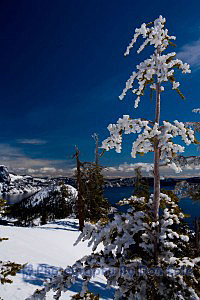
62 70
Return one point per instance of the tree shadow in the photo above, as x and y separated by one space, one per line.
43 272
67 225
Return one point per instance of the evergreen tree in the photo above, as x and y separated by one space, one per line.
80 205
91 204
91 184
141 185
96 204
144 249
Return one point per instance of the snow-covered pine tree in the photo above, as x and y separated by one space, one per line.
128 261
154 71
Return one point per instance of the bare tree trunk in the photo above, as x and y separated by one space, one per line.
156 202
96 138
97 151
197 235
80 198
157 159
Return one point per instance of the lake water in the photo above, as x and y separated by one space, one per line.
189 206
114 194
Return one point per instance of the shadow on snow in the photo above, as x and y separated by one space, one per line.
66 225
43 272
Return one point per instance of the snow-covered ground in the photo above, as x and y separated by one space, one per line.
44 249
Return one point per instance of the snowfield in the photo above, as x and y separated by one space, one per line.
45 249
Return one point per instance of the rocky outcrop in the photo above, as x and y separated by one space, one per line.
4 175
19 184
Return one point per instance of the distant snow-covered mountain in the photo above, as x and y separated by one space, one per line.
55 201
47 192
18 184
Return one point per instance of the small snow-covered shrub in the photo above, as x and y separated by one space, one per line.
87 296
8 268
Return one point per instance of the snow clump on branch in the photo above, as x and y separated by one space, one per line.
158 63
196 110
145 141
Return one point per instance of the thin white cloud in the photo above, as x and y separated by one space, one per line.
8 151
190 53
47 171
17 161
31 141
20 163
128 170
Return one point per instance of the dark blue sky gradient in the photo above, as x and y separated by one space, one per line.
62 69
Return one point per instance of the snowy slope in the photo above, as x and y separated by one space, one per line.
37 198
44 248
59 201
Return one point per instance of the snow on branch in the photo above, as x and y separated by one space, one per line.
196 110
120 237
147 134
194 125
159 67
155 35
188 162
